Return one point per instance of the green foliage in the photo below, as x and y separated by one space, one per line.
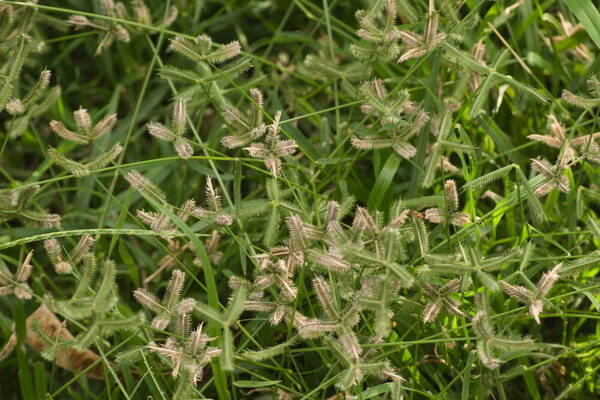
15 204
98 306
395 202
10 78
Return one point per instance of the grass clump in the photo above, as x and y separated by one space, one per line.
299 200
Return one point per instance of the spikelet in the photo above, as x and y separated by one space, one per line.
187 357
73 167
186 48
145 186
55 253
86 133
83 120
331 260
548 280
174 288
451 195
172 307
579 265
200 50
381 41
160 131
215 212
213 198
183 148
419 45
83 169
60 129
104 159
558 137
535 299
325 297
553 174
441 300
226 52
246 126
17 284
148 300
581 101
109 29
300 231
143 15
349 344
267 353
78 21
421 233
482 181
38 89
174 133
12 75
519 293
104 126
274 148
451 204
82 248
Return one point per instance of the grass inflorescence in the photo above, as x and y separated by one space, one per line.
308 199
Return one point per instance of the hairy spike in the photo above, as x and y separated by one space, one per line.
186 48
268 353
148 300
432 309
107 283
145 186
329 260
60 129
212 196
15 107
451 195
83 247
236 304
55 253
579 265
325 297
174 289
87 275
104 126
179 118
73 167
520 87
486 179
544 286
83 120
579 101
519 293
160 131
204 42
422 234
183 148
535 206
348 342
38 89
105 159
226 52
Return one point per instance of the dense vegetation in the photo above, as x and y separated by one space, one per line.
303 199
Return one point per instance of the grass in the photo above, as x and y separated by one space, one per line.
376 222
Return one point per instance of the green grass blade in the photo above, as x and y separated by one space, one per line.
588 15
383 182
